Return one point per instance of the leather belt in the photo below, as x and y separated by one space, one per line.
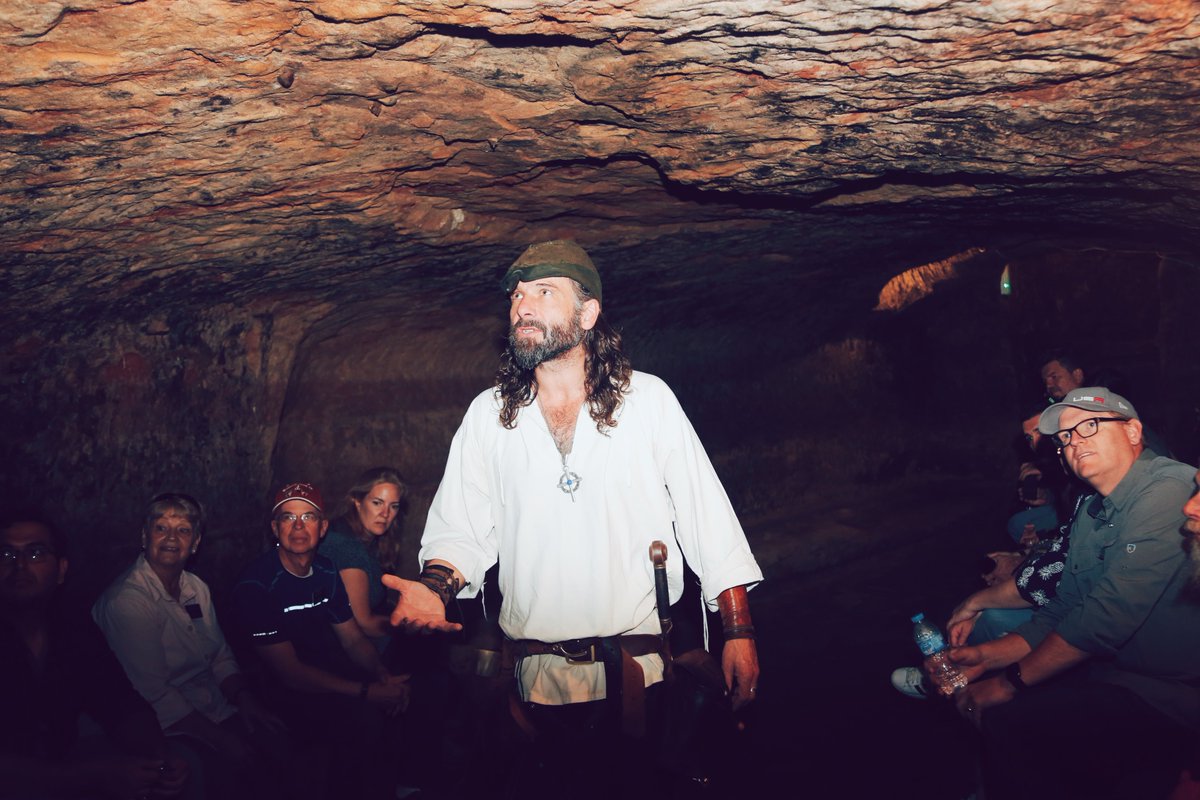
587 651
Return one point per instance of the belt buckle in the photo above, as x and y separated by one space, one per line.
586 654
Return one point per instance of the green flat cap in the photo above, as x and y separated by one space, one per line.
561 258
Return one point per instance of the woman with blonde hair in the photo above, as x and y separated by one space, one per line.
362 541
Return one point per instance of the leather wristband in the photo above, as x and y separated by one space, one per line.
735 613
1012 674
441 581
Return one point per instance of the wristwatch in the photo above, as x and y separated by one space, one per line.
1012 673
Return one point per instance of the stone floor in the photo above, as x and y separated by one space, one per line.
844 576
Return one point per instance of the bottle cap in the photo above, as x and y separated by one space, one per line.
918 617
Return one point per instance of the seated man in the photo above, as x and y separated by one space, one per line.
1043 486
1114 659
55 666
1003 605
328 682
1061 373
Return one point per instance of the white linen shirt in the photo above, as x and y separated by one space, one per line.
575 568
174 661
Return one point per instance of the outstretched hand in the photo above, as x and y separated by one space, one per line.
418 610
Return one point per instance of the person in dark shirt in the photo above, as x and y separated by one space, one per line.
55 666
325 678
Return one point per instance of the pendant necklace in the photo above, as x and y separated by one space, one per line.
569 481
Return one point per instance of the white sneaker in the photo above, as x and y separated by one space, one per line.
911 681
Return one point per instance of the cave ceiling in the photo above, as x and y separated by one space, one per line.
160 156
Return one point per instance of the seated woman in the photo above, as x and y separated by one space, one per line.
362 536
159 620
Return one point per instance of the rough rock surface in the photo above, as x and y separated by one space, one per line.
159 153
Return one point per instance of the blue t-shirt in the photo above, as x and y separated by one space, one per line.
347 551
273 605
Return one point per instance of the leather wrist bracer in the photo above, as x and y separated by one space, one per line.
735 613
441 581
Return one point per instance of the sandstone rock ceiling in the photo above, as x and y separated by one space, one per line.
175 153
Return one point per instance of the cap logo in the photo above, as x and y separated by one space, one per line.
299 491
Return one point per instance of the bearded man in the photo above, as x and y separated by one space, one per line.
565 473
1191 542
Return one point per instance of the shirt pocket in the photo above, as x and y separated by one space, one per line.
1090 556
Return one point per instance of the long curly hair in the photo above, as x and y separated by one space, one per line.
606 374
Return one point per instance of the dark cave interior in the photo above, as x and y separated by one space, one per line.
261 242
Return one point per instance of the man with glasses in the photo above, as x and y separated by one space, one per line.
329 680
1112 664
55 666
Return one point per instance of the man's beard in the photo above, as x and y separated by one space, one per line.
555 341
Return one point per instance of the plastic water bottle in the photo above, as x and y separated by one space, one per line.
942 671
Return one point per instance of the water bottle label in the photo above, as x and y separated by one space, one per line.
930 642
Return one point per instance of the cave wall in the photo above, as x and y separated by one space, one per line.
169 151
96 425
800 391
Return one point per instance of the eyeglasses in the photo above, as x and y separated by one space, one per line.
1086 430
34 554
288 518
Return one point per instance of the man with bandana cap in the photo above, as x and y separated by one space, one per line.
565 473
325 677
1110 668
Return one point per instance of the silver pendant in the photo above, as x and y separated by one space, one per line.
569 482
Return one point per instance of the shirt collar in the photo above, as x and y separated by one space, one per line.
1133 480
144 576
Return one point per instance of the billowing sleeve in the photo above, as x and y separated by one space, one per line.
133 626
460 528
707 528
